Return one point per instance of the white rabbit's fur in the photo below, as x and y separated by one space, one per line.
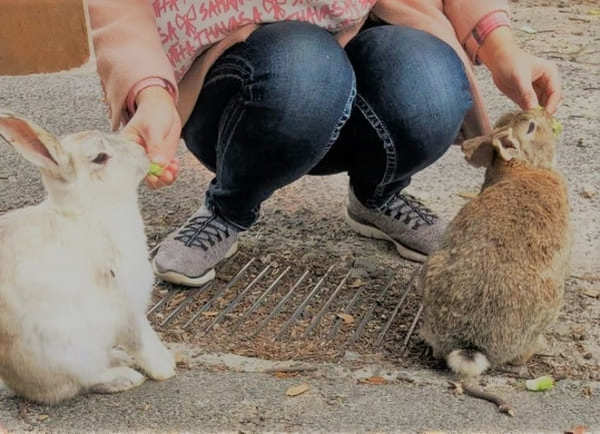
75 280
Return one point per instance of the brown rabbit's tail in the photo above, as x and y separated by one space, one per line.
467 363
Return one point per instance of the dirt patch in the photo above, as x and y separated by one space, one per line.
572 351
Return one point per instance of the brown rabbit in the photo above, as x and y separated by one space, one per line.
496 282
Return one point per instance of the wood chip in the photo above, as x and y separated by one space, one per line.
285 374
348 319
297 390
591 292
209 313
373 380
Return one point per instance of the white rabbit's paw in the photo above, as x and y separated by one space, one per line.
116 380
158 363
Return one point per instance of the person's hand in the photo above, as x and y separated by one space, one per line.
156 126
528 80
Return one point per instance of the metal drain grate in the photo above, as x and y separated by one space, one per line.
272 301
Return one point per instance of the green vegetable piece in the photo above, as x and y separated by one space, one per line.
540 384
557 127
156 169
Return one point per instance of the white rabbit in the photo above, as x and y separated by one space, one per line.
75 279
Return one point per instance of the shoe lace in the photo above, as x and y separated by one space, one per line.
409 210
203 231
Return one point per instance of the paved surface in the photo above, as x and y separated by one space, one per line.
210 397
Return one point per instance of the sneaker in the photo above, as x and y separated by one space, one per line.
188 256
405 221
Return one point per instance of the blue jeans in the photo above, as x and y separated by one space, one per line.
290 101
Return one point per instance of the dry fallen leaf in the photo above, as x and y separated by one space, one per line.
373 380
588 192
467 194
182 359
356 283
528 29
348 319
297 390
579 429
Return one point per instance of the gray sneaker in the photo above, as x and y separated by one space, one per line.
188 256
413 228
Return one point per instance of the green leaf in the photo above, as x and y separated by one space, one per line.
540 384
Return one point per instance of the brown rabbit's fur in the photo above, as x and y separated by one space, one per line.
496 281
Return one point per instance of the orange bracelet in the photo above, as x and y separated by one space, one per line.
143 84
484 27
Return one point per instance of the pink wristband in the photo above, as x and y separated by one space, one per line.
143 84
484 27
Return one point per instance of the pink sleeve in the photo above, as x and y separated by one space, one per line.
466 14
128 49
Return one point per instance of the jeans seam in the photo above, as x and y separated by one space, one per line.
233 114
345 114
216 78
231 64
391 160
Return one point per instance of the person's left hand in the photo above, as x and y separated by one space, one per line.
528 80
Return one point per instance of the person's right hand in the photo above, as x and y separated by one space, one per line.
156 126
526 79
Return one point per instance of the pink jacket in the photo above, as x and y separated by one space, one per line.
129 49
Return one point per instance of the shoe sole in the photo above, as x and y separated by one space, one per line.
373 232
194 282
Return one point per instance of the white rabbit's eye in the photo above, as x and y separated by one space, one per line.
531 127
101 158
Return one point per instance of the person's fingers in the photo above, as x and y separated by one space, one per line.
551 88
158 145
526 97
174 165
151 181
164 142
167 177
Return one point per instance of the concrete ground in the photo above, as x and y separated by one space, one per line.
217 397
213 393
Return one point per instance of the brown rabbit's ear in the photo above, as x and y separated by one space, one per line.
34 143
506 144
478 151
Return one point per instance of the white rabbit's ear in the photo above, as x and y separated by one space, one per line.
478 151
506 144
34 143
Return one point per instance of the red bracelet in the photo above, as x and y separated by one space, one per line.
143 84
484 27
